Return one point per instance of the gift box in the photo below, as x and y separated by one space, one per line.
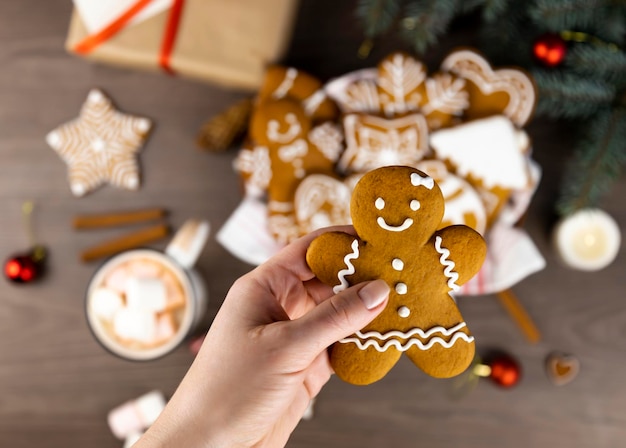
226 42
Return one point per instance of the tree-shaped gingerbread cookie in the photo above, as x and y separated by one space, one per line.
396 212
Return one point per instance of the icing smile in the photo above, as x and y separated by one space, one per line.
408 222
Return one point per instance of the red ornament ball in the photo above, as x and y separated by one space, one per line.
505 371
21 269
550 49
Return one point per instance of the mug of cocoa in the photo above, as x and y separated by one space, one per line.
142 303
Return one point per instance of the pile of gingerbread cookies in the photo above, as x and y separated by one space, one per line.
308 144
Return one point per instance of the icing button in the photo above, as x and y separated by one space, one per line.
401 288
397 264
404 311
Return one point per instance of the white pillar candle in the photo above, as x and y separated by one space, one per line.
588 240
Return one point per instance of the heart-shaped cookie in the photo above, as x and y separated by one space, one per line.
508 91
562 368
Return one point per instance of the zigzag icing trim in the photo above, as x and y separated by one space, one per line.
448 265
411 342
343 283
412 332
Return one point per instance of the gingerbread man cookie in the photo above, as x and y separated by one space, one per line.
396 212
287 148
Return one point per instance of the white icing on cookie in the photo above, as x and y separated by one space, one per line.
296 150
515 83
343 283
397 264
446 95
368 339
286 84
313 102
408 222
380 203
404 312
327 137
448 265
374 142
398 79
415 205
418 180
401 288
273 129
255 163
322 201
486 149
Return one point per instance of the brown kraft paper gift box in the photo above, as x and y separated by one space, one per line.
226 42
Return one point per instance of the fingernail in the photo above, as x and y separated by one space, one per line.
374 293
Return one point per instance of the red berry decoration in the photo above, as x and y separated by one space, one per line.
505 371
550 49
25 268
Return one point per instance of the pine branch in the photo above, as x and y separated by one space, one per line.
426 20
495 9
377 16
597 162
565 95
603 18
601 61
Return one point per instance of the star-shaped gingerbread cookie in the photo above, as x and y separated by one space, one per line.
100 146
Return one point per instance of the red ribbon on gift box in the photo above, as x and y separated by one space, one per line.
89 43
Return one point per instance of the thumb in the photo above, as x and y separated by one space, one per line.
340 316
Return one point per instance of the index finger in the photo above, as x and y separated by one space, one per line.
292 258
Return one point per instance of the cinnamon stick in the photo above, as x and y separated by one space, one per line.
126 242
519 315
117 218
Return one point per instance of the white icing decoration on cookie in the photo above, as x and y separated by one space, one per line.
280 207
380 203
515 83
273 129
418 180
408 222
313 102
411 342
448 265
415 205
286 84
322 201
399 78
397 264
461 199
446 95
296 150
374 142
486 149
404 312
256 163
401 288
327 137
343 283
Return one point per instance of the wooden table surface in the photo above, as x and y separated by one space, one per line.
57 384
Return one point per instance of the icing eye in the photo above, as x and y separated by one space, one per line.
415 205
380 203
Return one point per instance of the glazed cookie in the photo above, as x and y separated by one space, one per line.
287 82
443 99
490 154
283 132
396 212
373 142
463 203
323 201
399 79
509 91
